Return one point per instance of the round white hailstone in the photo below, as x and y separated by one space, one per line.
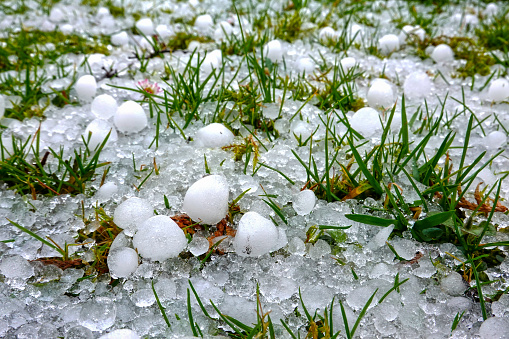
66 29
304 202
193 45
499 90
223 30
203 22
491 9
217 54
417 85
495 328
255 235
388 43
122 262
442 54
356 32
405 33
103 11
96 132
366 121
159 238
123 333
209 64
348 63
273 51
130 214
120 39
56 15
130 117
106 191
2 106
207 200
86 86
496 139
453 284
104 106
214 135
98 314
16 267
164 32
380 94
419 32
306 65
198 246
145 26
326 34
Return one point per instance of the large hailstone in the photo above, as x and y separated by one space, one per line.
304 202
131 213
366 121
380 94
213 135
206 200
417 85
122 262
145 26
159 238
388 43
442 54
499 90
96 132
130 117
104 106
255 235
85 87
203 22
273 51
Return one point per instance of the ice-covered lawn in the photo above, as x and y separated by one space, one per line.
254 169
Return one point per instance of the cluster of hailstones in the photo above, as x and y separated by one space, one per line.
159 238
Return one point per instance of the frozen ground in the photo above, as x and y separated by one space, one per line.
277 127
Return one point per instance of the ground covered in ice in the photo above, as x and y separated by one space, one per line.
279 169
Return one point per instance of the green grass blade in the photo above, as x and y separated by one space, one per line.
161 308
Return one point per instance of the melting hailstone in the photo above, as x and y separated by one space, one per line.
255 236
304 202
123 333
85 87
131 213
366 121
499 90
96 132
122 262
159 238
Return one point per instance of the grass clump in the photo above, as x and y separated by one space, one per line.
115 11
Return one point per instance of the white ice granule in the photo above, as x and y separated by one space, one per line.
417 85
380 94
442 54
499 90
273 51
366 121
145 26
97 131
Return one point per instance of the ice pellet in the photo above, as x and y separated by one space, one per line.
123 333
145 26
495 328
442 54
388 43
453 284
198 246
273 51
